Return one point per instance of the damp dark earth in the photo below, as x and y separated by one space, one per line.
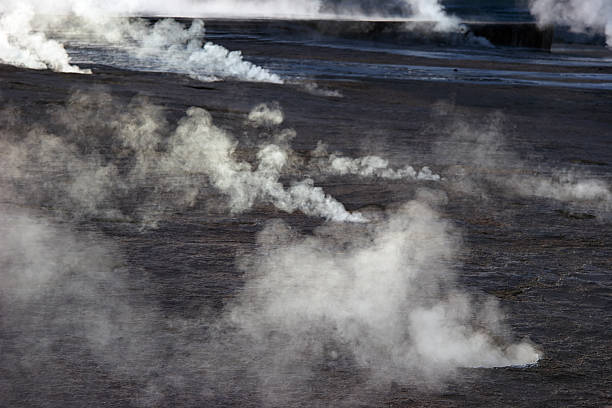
293 213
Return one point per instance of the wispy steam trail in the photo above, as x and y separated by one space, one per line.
478 154
167 169
366 166
198 146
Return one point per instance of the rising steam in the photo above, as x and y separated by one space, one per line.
579 15
26 28
382 295
169 46
104 155
380 298
167 169
376 294
20 46
166 45
477 155
198 146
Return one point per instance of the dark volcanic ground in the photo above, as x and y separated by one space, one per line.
549 263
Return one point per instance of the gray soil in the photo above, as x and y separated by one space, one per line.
548 264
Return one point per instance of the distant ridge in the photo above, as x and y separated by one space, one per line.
397 31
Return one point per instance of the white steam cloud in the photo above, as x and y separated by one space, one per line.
198 146
26 28
264 115
166 45
103 154
366 166
81 169
20 46
382 295
432 10
579 15
380 299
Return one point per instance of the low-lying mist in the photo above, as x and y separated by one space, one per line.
377 299
104 159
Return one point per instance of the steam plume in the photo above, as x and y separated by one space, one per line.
25 31
168 46
380 298
243 184
579 15
84 170
22 47
26 27
381 295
